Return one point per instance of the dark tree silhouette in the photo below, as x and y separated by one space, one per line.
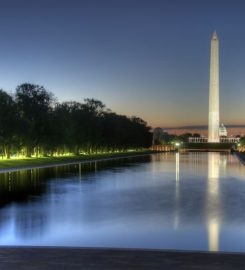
9 124
34 104
32 123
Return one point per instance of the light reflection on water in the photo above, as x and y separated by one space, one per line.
213 200
192 201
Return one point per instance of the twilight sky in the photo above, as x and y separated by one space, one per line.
148 58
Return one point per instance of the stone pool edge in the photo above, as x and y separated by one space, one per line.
115 258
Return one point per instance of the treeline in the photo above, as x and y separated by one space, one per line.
242 140
161 137
32 122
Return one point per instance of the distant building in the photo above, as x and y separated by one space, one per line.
223 134
201 139
222 131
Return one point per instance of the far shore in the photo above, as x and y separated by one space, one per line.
13 165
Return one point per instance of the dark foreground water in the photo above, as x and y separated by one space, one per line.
193 201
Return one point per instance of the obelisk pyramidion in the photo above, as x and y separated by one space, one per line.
213 121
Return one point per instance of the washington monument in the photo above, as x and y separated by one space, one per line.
213 118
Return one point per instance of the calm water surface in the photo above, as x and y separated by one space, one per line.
192 201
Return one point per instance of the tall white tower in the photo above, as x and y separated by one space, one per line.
213 121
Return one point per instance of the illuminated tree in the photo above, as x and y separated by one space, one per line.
9 123
34 105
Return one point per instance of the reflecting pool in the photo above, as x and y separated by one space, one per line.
189 201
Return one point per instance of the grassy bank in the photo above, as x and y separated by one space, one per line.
43 161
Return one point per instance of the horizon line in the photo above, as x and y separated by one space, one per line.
201 127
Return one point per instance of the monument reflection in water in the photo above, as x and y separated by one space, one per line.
213 204
215 161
